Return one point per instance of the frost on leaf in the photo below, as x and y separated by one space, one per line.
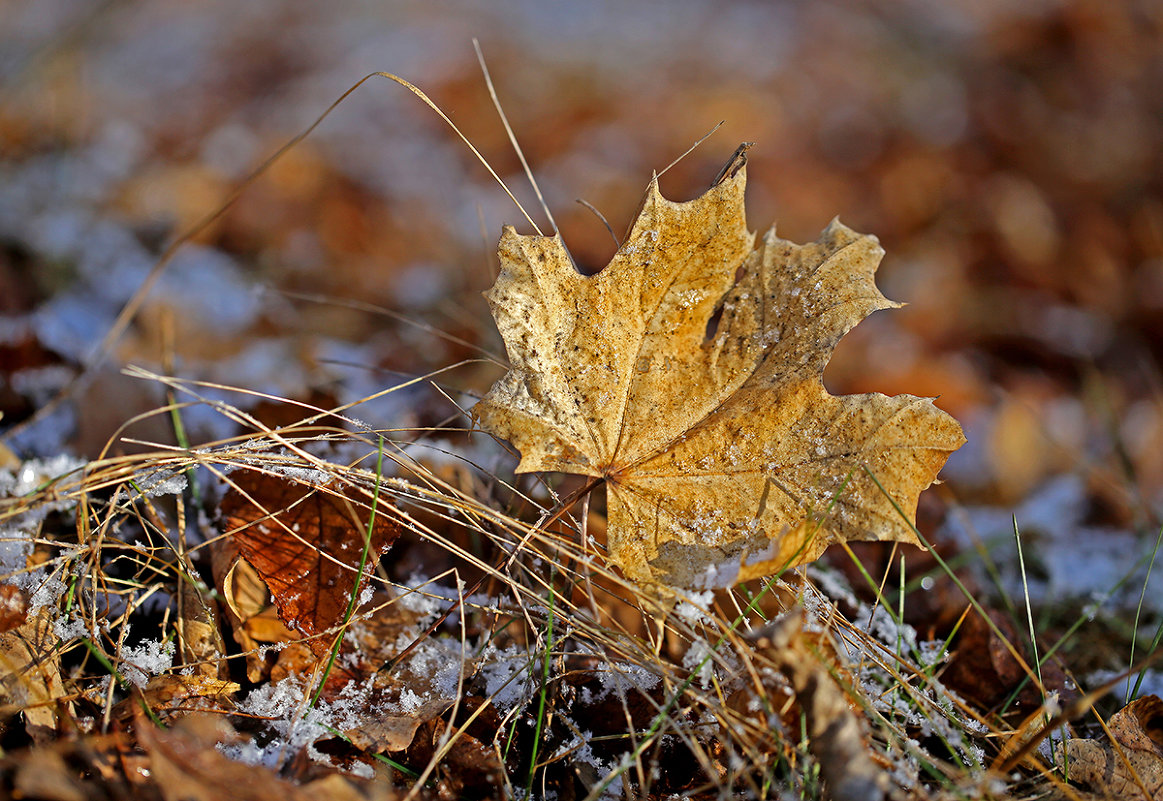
688 375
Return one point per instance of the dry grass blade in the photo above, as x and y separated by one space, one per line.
691 707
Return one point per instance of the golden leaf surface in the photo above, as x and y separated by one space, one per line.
688 375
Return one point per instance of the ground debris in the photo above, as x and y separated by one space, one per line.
187 766
836 737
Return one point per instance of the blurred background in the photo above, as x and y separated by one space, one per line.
1005 152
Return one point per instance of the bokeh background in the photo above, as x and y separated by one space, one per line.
1005 152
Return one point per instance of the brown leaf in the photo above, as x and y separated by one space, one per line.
984 669
176 693
1123 774
688 376
1132 769
836 737
30 675
1139 724
297 659
468 770
13 607
187 766
395 732
305 543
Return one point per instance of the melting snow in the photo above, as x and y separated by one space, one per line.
1074 560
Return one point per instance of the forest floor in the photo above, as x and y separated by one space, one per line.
315 349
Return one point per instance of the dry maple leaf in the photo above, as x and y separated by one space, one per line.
688 376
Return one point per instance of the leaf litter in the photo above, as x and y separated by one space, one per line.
604 704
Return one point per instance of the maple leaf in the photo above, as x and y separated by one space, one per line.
687 375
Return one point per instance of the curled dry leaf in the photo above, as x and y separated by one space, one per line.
199 634
687 375
836 737
1139 725
172 693
1134 767
246 605
305 543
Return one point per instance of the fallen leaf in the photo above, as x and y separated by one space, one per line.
687 375
468 768
177 694
199 635
983 669
13 607
1134 767
1139 724
394 732
305 543
835 736
297 659
1124 775
187 766
246 600
30 675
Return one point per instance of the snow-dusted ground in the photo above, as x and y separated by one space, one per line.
126 122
